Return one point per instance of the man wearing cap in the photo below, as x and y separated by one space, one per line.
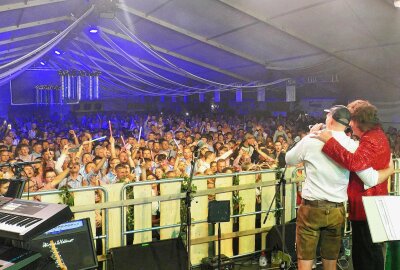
373 151
321 213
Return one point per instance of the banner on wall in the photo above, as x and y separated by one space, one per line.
217 96
239 97
290 92
201 97
261 94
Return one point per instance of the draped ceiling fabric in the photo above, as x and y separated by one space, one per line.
341 49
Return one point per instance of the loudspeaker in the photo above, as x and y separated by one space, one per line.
161 255
274 240
218 211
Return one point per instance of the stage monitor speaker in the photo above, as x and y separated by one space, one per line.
218 211
74 242
161 255
274 240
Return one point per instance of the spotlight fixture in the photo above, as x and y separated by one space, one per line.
57 52
214 107
396 3
42 63
93 30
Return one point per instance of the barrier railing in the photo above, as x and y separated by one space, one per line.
170 218
115 203
395 189
199 193
251 186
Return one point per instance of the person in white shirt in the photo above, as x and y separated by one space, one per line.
321 213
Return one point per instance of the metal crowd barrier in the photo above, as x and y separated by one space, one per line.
181 196
395 190
107 205
247 186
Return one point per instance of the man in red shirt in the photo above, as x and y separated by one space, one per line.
373 151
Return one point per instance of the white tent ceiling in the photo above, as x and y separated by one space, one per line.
337 48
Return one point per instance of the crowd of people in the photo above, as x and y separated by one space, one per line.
70 152
109 148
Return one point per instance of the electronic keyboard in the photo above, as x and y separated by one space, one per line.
23 219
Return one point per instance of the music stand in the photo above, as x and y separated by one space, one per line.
382 217
219 211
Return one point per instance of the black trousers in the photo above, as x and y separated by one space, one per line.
366 255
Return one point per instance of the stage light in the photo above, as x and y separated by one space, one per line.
396 3
187 114
57 52
93 30
214 107
42 63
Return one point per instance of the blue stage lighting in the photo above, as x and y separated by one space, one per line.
42 63
57 52
93 30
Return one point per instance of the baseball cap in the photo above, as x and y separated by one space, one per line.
340 113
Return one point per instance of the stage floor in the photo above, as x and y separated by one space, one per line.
250 263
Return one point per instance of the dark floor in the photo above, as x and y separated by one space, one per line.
251 263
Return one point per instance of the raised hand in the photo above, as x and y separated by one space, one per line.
65 149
